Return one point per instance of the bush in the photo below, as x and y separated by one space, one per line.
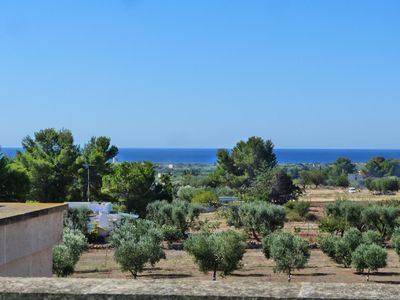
260 217
221 251
75 241
381 219
171 233
78 218
63 261
370 257
177 213
327 245
396 241
297 210
67 254
372 237
206 198
384 185
351 239
287 250
136 243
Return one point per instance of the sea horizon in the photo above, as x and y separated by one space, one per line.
208 155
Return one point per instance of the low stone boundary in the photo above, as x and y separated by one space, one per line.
110 289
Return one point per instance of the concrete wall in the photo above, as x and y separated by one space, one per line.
110 289
26 243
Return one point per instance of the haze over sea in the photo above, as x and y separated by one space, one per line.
208 155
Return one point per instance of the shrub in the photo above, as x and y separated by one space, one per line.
372 237
287 250
382 219
75 241
221 251
396 241
63 261
67 254
171 233
370 257
261 217
206 198
77 218
177 213
137 243
347 212
327 245
351 239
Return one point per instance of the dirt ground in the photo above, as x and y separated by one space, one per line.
255 268
331 194
179 266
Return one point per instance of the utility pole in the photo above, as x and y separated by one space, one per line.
87 166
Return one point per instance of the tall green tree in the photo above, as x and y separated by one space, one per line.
239 167
49 159
135 184
96 155
14 180
341 166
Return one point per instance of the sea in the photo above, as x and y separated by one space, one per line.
208 155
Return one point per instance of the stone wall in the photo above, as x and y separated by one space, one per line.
99 289
27 237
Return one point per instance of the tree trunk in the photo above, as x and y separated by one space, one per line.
134 274
255 236
214 275
289 276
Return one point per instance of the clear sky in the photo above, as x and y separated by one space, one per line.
205 73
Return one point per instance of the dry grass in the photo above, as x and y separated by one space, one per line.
179 266
332 194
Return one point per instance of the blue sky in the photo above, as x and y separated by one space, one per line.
206 73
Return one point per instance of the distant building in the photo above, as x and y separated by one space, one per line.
28 233
355 177
103 217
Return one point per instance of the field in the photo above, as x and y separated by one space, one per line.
255 268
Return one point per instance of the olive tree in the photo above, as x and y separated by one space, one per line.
288 251
258 217
67 254
396 241
137 243
370 257
174 217
220 251
382 219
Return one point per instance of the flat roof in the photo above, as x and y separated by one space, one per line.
11 212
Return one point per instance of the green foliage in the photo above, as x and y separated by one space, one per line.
206 198
98 153
396 241
134 183
372 237
370 257
382 219
137 243
340 215
75 242
342 181
239 167
67 254
178 213
384 184
63 261
14 181
351 239
257 217
327 244
171 233
275 186
49 159
342 167
288 251
221 251
77 218
313 176
380 167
